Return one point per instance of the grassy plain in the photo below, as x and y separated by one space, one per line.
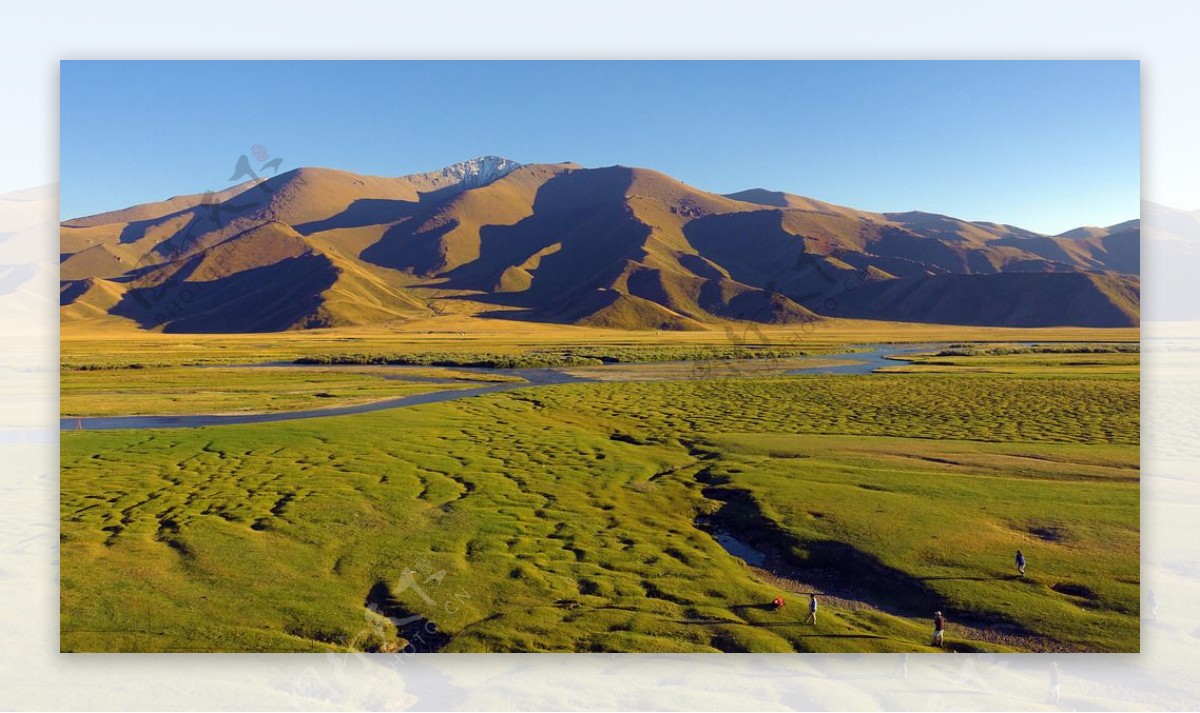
183 390
704 369
580 517
1095 365
82 346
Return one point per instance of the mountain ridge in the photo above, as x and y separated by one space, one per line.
614 246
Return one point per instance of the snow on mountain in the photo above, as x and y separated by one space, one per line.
475 172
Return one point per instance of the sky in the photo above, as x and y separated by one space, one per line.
1047 146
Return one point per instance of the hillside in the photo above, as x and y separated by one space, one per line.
1002 300
616 247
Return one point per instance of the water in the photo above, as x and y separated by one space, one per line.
871 360
857 363
740 549
121 422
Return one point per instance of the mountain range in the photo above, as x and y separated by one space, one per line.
614 247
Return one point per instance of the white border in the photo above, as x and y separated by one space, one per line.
37 36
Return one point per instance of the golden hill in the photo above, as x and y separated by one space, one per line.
618 247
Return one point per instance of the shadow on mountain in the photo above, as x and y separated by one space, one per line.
202 218
615 246
761 196
756 250
1017 299
272 298
599 307
582 217
583 212
407 247
903 243
361 213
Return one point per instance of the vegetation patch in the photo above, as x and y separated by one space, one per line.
482 516
189 390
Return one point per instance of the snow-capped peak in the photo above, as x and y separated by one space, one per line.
476 172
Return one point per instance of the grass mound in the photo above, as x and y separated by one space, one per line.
564 518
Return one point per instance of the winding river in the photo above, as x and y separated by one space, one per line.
866 362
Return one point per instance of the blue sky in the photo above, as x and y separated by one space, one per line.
1044 145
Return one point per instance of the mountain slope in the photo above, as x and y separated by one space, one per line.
618 247
267 278
1003 300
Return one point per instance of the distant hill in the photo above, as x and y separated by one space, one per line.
999 300
616 247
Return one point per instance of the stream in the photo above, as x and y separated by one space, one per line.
866 362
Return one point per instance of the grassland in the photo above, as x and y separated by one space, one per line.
580 517
182 390
1045 361
703 369
82 347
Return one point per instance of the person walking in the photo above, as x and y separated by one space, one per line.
812 610
1021 562
1053 695
939 629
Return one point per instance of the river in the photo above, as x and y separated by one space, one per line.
866 362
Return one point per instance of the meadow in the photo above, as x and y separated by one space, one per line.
93 348
591 517
182 390
1096 360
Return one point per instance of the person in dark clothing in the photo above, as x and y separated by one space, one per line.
812 610
1021 562
939 629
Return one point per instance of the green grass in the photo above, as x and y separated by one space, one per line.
491 353
946 517
706 369
1059 348
84 349
575 356
1045 362
564 518
323 353
182 390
